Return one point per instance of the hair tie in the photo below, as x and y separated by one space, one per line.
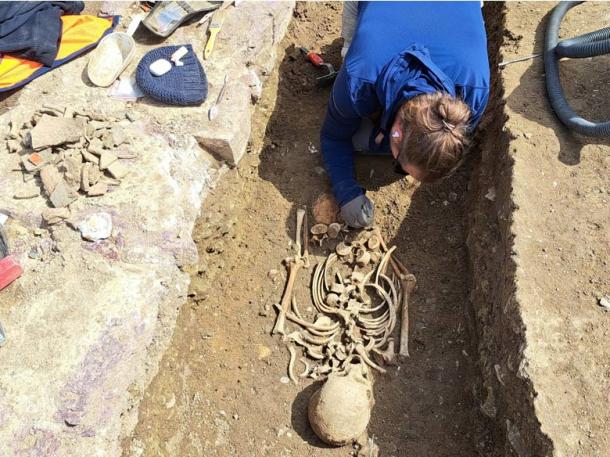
447 126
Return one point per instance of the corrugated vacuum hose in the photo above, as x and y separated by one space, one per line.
588 45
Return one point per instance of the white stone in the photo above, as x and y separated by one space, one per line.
96 227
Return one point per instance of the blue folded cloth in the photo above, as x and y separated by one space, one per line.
31 30
182 85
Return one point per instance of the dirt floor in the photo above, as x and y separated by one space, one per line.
218 391
561 247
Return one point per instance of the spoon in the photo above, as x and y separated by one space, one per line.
215 108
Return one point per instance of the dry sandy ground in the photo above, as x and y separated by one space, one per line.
562 244
219 392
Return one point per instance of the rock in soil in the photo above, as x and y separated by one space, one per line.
13 146
62 195
118 135
107 159
98 189
96 147
52 216
117 170
325 209
97 226
89 157
72 173
50 177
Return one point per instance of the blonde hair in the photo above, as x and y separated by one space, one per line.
436 133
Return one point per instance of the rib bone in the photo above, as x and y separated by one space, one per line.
307 368
366 359
314 352
293 357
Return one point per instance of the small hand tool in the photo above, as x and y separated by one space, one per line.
215 25
318 62
214 109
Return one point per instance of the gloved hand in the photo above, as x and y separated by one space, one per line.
359 212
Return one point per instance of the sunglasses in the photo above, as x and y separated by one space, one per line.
398 169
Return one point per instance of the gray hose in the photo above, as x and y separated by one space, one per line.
589 45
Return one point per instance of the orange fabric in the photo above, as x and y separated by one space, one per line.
78 32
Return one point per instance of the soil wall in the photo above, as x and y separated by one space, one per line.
507 398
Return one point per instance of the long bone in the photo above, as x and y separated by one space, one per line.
305 239
294 264
408 285
301 213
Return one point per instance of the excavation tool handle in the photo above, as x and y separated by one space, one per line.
314 58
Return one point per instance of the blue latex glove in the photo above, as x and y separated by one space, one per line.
359 212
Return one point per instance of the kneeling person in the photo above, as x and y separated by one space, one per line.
414 84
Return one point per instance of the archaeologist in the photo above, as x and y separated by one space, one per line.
414 84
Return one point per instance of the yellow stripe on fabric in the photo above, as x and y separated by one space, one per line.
78 32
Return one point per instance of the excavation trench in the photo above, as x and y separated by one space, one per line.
219 389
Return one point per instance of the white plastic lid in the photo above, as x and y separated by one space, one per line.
160 67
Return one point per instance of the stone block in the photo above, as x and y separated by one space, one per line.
53 131
227 136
